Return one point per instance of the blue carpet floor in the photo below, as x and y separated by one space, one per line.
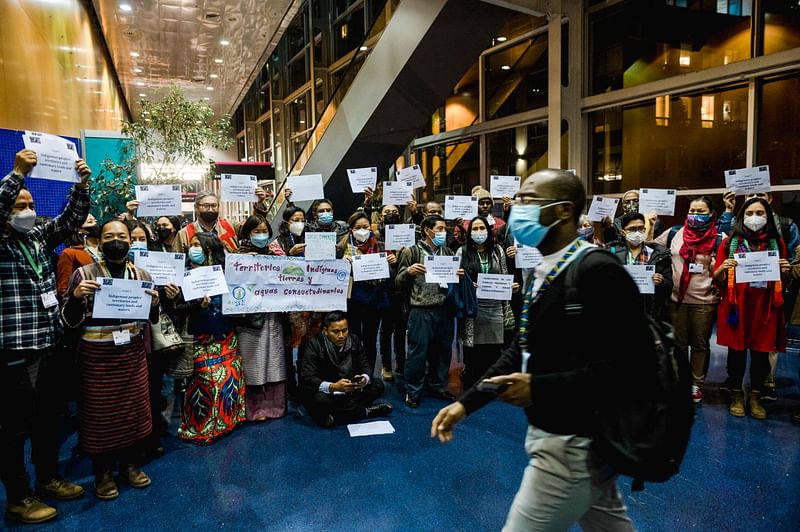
739 474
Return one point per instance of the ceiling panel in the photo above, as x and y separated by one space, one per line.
179 41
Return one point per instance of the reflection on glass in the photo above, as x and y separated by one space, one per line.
781 25
299 115
298 73
451 168
516 78
636 42
779 129
671 142
348 33
522 150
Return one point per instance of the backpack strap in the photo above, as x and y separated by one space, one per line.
672 232
572 303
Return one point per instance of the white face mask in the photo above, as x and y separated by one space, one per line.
361 235
634 239
755 222
23 221
296 228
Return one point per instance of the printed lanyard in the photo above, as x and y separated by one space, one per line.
530 298
37 268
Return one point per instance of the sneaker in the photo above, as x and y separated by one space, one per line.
697 395
60 489
30 510
412 402
768 394
386 374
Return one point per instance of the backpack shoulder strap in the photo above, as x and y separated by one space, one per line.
672 232
572 304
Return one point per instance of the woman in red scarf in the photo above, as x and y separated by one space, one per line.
693 306
750 314
369 299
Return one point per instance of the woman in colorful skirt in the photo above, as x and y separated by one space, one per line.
215 400
114 405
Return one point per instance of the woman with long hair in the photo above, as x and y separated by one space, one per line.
750 315
166 229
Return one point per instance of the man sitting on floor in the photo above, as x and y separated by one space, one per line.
334 376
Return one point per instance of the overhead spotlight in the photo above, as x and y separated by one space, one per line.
505 67
224 42
126 8
137 70
209 88
142 95
218 61
213 76
364 48
501 39
134 54
140 83
206 98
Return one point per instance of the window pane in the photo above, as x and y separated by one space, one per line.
298 73
636 42
781 25
779 129
516 78
299 117
348 33
452 168
672 142
522 150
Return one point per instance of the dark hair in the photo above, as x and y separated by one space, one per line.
212 247
333 317
151 239
430 221
356 216
705 199
470 260
312 211
174 220
114 220
283 228
739 229
251 223
628 217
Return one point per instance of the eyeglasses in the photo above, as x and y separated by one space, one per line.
634 229
208 206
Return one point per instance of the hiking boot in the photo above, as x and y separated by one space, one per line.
386 374
133 476
381 409
697 395
756 408
737 403
30 510
60 489
105 488
768 394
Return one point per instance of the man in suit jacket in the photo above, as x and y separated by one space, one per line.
334 376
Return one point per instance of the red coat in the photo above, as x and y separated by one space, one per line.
762 325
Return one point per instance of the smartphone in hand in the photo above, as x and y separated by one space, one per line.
493 387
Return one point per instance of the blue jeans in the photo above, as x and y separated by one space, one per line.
430 339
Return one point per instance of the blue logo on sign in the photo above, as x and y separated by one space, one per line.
238 293
341 275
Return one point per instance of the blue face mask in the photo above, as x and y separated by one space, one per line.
134 249
524 224
259 240
325 218
586 233
479 237
196 255
698 221
439 239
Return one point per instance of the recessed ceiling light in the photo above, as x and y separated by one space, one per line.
206 98
140 83
137 70
209 88
126 8
142 95
505 67
213 76
501 39
134 54
224 42
218 61
364 48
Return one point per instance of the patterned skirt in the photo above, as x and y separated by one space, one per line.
215 400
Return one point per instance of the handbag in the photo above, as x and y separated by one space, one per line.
180 364
164 336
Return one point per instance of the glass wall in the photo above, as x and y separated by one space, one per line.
781 25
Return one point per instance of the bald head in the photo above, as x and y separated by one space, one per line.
556 184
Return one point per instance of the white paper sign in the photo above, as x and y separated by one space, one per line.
642 275
504 185
320 246
158 200
163 267
239 187
400 236
658 200
748 180
203 281
757 266
441 269
602 207
305 187
55 156
361 178
465 207
397 192
494 286
123 299
527 257
370 267
413 175
371 428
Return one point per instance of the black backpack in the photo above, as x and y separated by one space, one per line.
645 433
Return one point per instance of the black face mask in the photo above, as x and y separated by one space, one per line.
209 217
391 219
93 231
115 250
163 234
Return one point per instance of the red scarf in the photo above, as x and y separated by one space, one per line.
369 246
695 243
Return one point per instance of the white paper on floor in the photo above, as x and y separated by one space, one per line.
370 429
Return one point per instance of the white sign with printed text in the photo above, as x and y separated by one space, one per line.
55 156
158 200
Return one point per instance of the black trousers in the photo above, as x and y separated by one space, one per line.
345 408
759 368
393 326
156 368
477 360
363 322
30 407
